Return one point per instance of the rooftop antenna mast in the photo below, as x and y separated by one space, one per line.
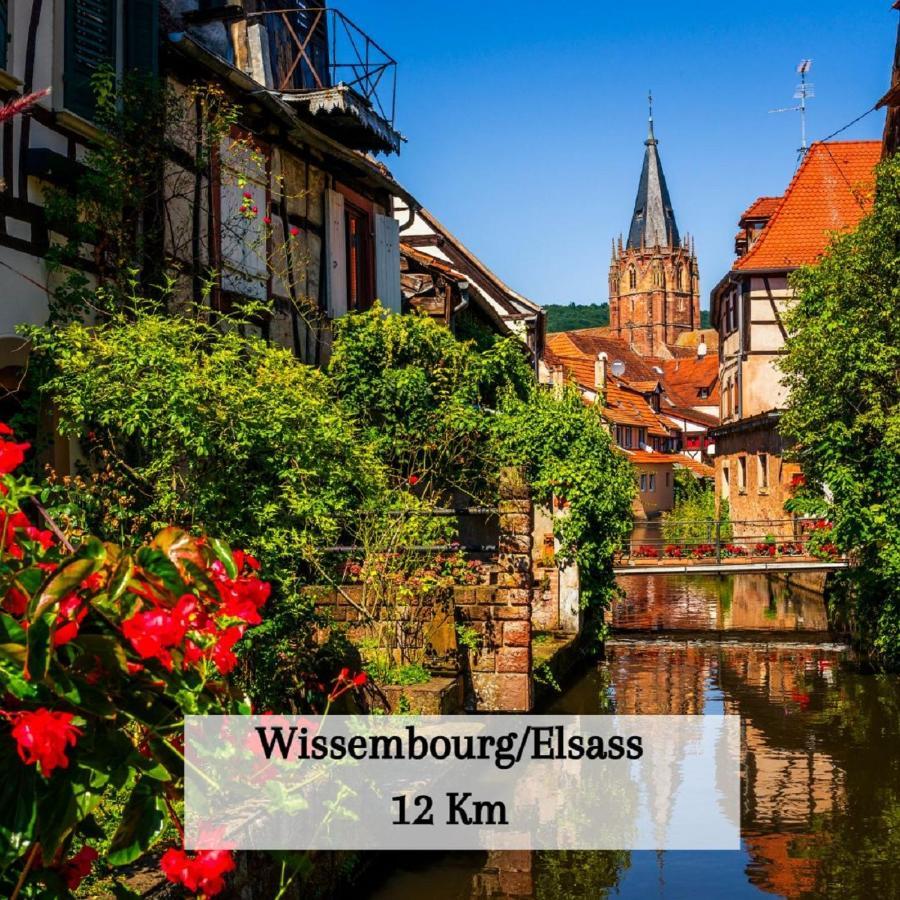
805 91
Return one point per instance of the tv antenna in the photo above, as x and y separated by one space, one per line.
805 91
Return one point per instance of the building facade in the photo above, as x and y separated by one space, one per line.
654 283
831 191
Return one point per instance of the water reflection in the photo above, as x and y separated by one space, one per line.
820 754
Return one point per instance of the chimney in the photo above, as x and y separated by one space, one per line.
600 373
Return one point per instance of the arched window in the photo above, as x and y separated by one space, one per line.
632 278
658 277
679 277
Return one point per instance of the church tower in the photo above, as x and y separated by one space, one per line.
654 284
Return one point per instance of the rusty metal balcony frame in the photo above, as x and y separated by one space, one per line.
372 74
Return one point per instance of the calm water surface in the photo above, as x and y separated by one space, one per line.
820 754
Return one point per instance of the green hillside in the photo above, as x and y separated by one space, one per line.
568 317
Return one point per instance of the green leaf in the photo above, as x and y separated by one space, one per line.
158 565
224 555
119 581
143 822
17 804
69 576
38 658
11 632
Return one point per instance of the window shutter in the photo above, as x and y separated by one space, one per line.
387 263
4 32
142 36
335 254
90 43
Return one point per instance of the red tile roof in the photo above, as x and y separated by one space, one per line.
625 404
831 191
683 378
647 457
591 341
762 208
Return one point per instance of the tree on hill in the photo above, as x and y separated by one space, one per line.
572 316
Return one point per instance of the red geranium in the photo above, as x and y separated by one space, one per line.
43 737
203 873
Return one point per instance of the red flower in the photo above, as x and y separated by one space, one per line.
43 737
15 602
267 220
75 869
414 480
294 231
248 195
153 633
44 538
202 873
360 680
72 611
11 456
222 654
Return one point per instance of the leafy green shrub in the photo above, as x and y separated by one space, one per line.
192 425
843 409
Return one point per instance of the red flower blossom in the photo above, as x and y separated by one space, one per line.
75 869
222 654
267 220
71 613
154 633
12 456
414 480
294 231
15 602
39 536
203 873
43 737
248 195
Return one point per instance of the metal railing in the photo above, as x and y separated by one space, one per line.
316 48
748 539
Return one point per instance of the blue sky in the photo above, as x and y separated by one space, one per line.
526 120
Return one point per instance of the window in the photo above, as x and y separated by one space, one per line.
643 483
632 278
742 474
359 293
679 277
106 32
726 483
652 483
667 479
658 278
703 393
763 460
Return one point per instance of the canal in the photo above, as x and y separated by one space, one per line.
820 753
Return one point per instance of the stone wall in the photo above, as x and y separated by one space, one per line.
499 671
496 662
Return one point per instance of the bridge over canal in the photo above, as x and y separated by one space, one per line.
714 547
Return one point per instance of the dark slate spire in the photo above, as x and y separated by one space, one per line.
653 221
